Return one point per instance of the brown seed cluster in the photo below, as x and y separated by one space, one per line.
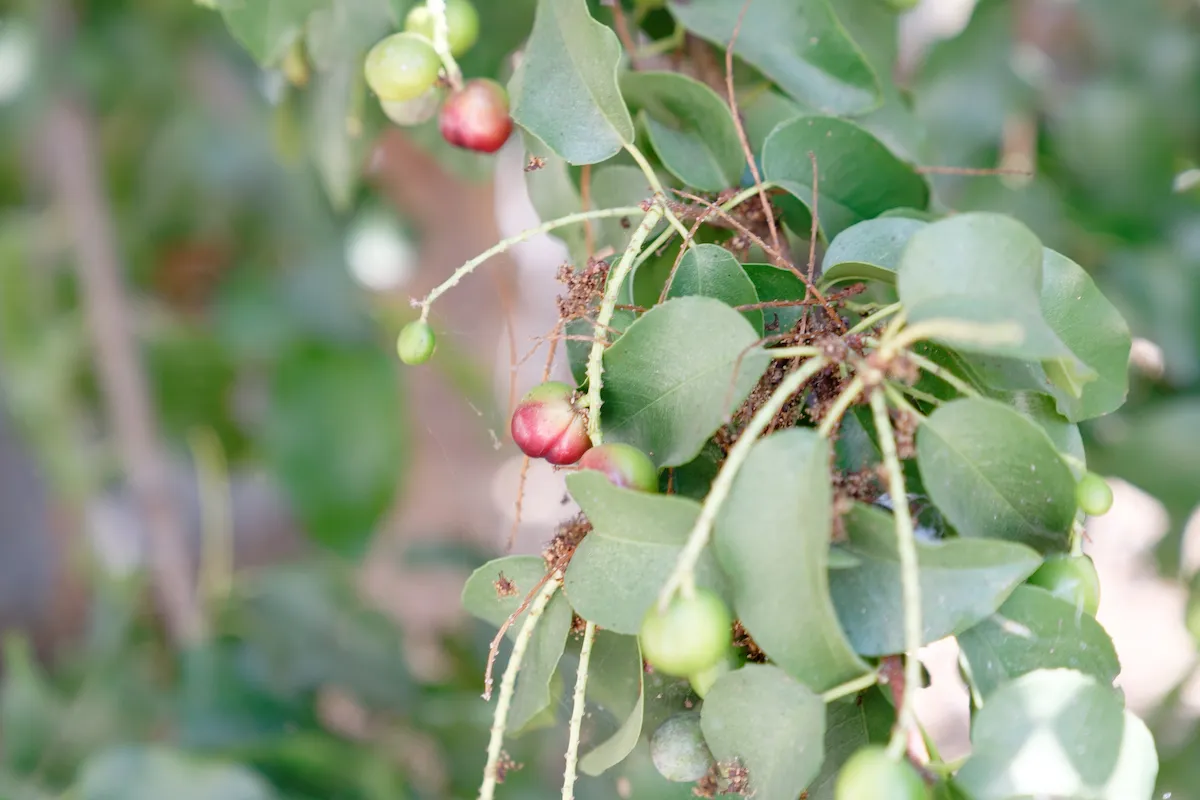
724 778
742 639
568 536
585 287
504 766
505 587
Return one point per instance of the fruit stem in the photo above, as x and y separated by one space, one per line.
508 684
851 687
683 577
910 586
800 351
868 322
581 679
441 42
657 186
963 330
469 267
942 374
666 235
838 409
595 367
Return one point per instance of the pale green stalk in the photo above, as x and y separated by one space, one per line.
441 42
941 373
581 679
843 402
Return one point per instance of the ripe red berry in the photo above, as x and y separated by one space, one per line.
547 425
476 117
624 466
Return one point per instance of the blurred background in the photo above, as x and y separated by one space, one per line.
233 530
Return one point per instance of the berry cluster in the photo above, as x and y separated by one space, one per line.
404 71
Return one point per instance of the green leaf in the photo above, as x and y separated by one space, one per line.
150 772
267 28
690 127
334 439
859 177
850 724
1036 630
618 689
993 473
670 379
776 283
762 111
553 194
617 185
772 538
1063 435
30 709
962 581
619 568
769 723
1092 328
565 90
709 270
337 153
798 44
1058 733
481 599
867 251
983 268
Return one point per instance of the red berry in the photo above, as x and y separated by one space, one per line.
547 425
624 466
476 117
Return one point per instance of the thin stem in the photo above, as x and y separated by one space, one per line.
657 186
665 237
441 42
800 351
898 399
868 322
469 267
910 585
595 370
683 578
581 679
843 402
940 372
508 684
851 687
981 333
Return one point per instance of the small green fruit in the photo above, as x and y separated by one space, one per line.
678 749
869 773
703 681
416 342
624 466
413 112
462 24
402 67
1071 578
1093 494
690 637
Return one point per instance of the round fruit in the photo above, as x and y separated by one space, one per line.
402 67
415 111
692 636
416 342
678 750
547 425
1093 494
462 24
703 681
871 773
624 466
1072 578
476 117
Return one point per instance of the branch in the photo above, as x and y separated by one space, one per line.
75 173
585 658
441 42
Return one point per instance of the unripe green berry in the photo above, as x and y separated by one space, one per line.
402 67
1071 578
692 635
416 342
678 749
462 24
870 773
624 466
1093 494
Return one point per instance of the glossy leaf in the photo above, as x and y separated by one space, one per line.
771 724
993 473
776 283
334 438
618 185
963 581
982 268
1063 435
565 90
266 28
618 689
708 270
869 250
798 44
850 724
1058 733
772 539
667 380
149 772
859 177
481 598
619 568
690 127
1036 630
